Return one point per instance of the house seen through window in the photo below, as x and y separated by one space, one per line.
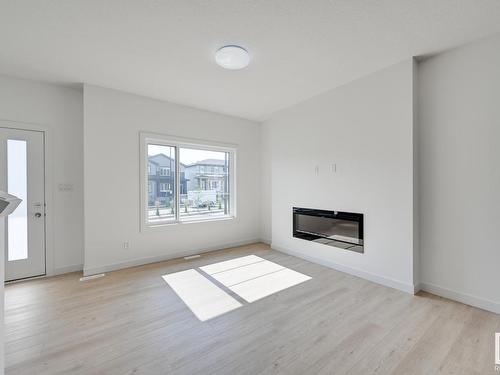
187 183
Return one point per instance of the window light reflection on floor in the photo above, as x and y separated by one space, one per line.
253 278
249 277
203 297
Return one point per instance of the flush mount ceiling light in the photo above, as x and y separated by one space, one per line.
232 57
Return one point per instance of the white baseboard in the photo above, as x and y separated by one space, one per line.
407 288
67 269
417 288
465 298
160 258
267 241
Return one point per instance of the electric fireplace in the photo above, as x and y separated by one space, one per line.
333 228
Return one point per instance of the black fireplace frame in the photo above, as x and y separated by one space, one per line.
317 237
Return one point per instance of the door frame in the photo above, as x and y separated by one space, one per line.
48 185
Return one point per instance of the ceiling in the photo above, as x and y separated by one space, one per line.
165 48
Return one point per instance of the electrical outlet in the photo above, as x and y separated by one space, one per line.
126 245
65 187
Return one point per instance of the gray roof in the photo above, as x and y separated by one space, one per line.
218 162
209 162
153 157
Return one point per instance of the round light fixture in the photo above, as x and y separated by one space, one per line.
232 57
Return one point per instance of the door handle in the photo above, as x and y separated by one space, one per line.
38 215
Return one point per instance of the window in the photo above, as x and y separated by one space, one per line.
204 199
184 192
165 187
17 230
160 206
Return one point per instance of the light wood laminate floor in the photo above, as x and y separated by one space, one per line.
131 322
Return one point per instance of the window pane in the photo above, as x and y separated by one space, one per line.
204 185
17 234
161 183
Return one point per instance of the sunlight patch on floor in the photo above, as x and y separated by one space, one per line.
249 277
203 298
257 279
227 265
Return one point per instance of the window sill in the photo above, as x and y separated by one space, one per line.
147 227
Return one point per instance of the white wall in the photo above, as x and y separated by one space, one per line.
366 128
459 137
112 122
61 111
416 190
266 184
2 295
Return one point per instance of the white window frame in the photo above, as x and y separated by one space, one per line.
146 138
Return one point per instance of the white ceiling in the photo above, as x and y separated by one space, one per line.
164 48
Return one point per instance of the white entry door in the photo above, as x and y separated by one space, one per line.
22 174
